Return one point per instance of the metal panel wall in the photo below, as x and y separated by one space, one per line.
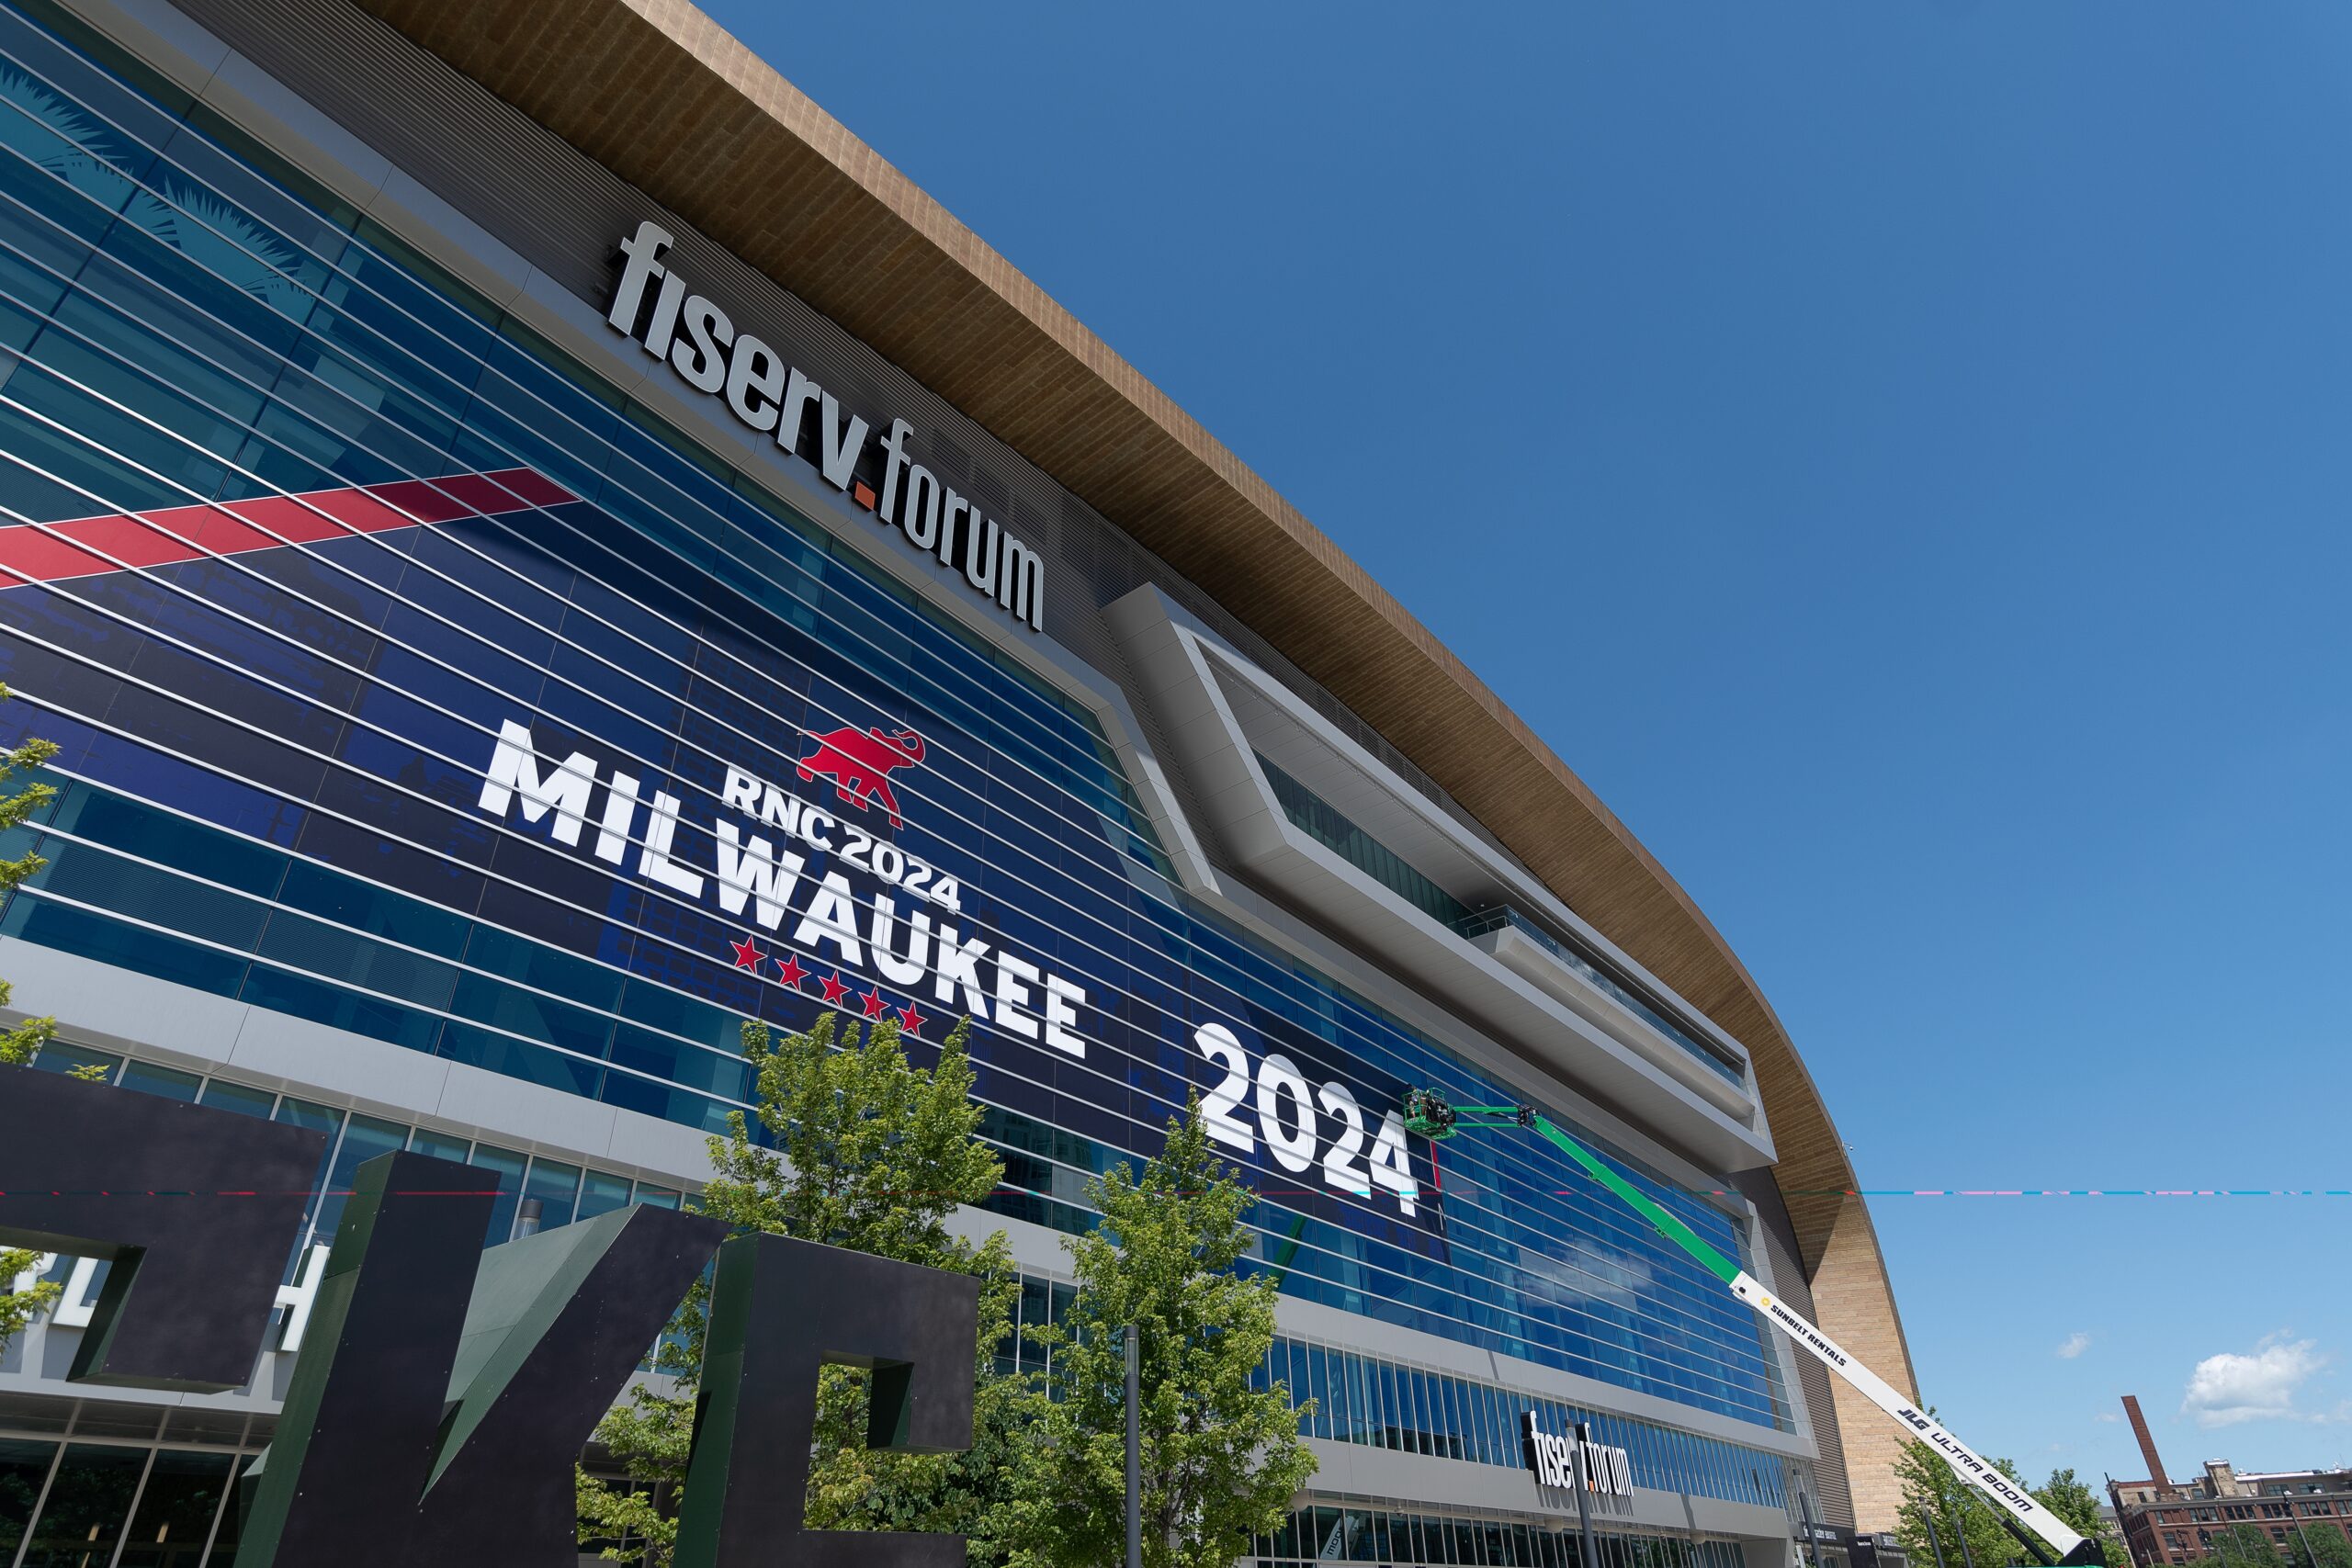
1778 1238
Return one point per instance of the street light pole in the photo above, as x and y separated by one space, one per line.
1584 1508
1812 1552
2311 1557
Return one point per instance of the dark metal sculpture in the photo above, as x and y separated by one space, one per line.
780 1309
195 1207
446 1393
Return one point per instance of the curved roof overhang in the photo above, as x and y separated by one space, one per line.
666 99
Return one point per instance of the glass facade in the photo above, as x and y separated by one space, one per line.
1388 1404
1372 1533
1331 827
564 1193
1358 1398
297 536
103 1482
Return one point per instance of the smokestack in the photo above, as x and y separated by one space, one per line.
2147 1445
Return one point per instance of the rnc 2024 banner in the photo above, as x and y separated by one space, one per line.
495 696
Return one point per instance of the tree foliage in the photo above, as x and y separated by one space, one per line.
21 1044
869 1153
2318 1543
2076 1507
1967 1526
1220 1459
2243 1545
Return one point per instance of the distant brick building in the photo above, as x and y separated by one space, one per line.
2165 1521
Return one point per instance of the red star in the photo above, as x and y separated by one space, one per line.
874 1006
834 990
748 954
788 972
911 1020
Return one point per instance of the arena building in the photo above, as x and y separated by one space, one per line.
535 545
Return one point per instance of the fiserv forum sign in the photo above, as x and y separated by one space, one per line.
653 307
1574 1460
446 1392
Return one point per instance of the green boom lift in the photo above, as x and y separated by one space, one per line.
1428 1113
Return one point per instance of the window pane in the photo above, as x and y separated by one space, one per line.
1364 1386
318 1118
440 1146
176 1511
557 1187
24 1465
657 1197
224 1537
363 1140
238 1098
1035 1312
149 1078
1325 1539
87 1503
505 1169
59 1056
600 1193
1293 1368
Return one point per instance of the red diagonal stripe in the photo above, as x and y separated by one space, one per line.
189 532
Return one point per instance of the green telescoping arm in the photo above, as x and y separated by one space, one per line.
1430 1116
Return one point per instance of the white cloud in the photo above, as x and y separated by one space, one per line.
2230 1388
2077 1343
2106 1418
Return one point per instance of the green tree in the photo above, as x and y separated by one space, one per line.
2242 1546
1220 1459
2318 1543
21 1044
872 1153
2076 1507
1932 1490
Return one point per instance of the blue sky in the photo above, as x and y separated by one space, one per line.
1898 455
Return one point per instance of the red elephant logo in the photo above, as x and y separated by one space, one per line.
859 763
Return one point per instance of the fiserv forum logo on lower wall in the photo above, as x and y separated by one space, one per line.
652 308
1574 1460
